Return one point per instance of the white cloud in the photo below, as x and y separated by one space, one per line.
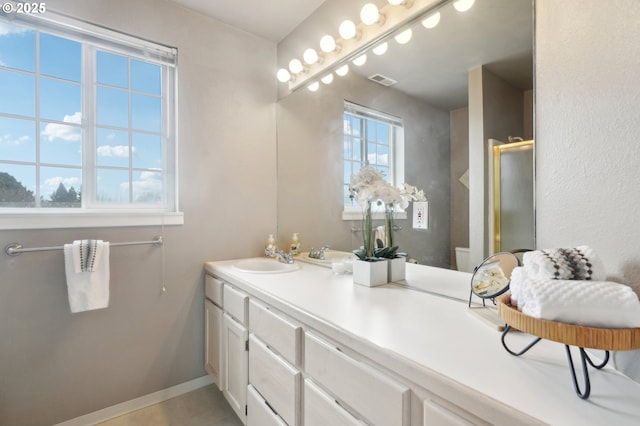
8 139
119 151
55 131
378 158
7 28
50 185
147 188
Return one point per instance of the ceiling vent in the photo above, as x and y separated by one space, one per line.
381 79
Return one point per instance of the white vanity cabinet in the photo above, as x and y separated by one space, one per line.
235 338
213 329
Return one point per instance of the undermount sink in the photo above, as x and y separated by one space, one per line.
260 265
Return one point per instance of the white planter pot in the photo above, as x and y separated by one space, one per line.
370 274
397 268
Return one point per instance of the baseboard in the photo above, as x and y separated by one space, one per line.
137 403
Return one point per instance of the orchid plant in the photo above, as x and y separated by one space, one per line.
368 187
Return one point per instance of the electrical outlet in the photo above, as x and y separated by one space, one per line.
421 215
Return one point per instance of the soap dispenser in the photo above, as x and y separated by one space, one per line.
270 248
294 245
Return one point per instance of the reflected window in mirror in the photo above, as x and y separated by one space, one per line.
371 138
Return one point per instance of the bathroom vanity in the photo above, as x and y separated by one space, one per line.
308 347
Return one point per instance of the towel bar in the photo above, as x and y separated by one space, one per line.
15 249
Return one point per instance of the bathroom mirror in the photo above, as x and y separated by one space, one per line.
482 57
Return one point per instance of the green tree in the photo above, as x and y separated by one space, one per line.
14 193
62 197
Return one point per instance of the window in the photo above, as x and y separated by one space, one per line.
371 138
87 126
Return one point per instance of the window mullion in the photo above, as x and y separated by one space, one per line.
89 134
38 195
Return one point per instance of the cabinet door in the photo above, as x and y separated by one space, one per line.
212 342
235 365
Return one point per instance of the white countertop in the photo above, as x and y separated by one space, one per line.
421 334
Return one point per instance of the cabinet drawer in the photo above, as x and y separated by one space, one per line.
436 414
321 410
258 412
277 331
276 380
235 304
213 289
375 396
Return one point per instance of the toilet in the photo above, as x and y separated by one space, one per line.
462 259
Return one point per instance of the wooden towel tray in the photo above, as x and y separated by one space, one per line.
611 339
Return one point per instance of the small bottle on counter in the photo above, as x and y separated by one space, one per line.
294 245
270 248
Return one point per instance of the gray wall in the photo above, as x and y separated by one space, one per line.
459 193
55 365
496 111
587 150
310 133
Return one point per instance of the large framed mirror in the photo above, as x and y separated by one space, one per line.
454 87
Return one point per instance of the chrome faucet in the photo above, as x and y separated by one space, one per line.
284 257
318 254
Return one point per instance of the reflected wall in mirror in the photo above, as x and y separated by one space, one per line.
458 85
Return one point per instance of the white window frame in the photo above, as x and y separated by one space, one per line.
95 37
396 152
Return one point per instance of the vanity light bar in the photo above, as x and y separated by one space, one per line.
393 18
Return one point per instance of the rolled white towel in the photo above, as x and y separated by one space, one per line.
588 303
579 263
518 276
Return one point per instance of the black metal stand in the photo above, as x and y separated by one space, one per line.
584 358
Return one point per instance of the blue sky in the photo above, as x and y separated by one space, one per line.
60 111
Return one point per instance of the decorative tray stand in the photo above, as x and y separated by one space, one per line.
606 339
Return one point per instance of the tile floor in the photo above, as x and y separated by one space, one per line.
204 406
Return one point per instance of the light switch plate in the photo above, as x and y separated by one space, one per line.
420 215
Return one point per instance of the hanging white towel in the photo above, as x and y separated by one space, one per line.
86 265
380 234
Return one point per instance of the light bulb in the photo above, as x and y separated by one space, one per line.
327 79
310 56
295 66
283 75
348 30
404 37
313 86
369 14
463 5
406 3
327 44
381 48
360 60
431 21
343 70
